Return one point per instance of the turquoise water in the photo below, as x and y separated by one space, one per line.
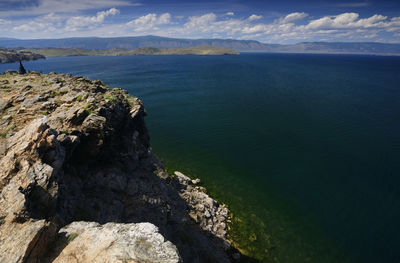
304 149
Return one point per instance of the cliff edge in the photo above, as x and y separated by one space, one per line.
79 183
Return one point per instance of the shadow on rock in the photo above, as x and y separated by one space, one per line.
90 160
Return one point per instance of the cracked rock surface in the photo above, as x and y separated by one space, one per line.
79 183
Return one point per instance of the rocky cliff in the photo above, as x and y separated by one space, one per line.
79 183
9 56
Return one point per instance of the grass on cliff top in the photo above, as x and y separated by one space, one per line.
60 92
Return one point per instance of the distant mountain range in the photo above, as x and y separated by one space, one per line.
238 45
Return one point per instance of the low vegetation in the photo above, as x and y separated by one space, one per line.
72 237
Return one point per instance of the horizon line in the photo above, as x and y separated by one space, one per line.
232 39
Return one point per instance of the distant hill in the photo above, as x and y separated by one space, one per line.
131 43
238 45
201 50
342 48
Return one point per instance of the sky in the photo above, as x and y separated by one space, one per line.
281 22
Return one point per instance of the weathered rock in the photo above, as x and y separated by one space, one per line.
91 242
182 179
25 241
4 104
196 181
89 159
206 211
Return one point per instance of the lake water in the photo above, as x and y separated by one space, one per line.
305 149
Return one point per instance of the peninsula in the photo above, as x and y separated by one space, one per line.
10 55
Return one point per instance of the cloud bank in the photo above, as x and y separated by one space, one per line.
289 28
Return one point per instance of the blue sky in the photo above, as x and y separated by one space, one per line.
284 21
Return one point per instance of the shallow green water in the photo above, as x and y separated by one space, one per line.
303 148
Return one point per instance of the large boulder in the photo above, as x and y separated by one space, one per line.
88 242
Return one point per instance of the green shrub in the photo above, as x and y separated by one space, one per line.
53 94
71 237
110 98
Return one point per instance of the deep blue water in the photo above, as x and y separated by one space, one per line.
305 149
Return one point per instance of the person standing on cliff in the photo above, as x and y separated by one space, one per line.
22 70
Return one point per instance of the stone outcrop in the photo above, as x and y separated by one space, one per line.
92 242
79 183
203 209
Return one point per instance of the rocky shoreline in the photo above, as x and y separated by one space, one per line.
79 182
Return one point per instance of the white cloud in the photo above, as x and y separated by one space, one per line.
164 19
230 14
149 21
348 20
46 23
209 23
201 21
56 24
35 27
51 17
77 22
293 17
370 22
289 28
345 19
256 29
254 17
324 22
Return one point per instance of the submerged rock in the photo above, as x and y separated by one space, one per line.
73 150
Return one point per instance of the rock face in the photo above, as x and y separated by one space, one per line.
79 183
92 242
203 209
